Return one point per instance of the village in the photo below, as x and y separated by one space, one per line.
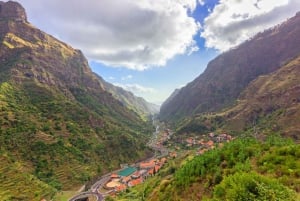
206 142
135 174
132 175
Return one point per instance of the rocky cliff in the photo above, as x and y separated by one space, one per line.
230 73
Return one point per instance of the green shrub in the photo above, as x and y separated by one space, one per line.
251 186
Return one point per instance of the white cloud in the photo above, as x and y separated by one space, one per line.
234 21
111 78
128 33
128 77
201 2
136 88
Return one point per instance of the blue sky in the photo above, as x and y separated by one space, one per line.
152 47
158 83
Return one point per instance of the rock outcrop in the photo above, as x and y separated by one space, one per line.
12 11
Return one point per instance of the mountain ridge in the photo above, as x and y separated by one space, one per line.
138 104
229 73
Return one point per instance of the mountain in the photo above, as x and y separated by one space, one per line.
137 104
170 98
230 73
258 158
59 125
271 102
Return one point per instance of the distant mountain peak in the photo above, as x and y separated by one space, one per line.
12 10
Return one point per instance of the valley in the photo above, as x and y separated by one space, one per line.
68 134
138 172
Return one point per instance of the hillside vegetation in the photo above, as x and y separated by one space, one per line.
59 126
251 92
244 169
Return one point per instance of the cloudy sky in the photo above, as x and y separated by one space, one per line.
151 47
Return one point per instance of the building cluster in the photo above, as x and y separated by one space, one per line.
133 175
162 137
207 142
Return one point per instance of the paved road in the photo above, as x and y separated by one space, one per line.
87 194
94 188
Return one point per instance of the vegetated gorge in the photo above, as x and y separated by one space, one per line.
235 128
61 125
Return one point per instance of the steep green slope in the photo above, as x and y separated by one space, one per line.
15 180
243 169
230 73
57 121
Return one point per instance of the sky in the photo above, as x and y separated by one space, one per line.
152 47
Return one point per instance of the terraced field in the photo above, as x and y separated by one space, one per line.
15 180
70 177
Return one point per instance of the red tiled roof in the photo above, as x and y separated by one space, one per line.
114 175
147 165
135 182
151 171
136 174
121 187
210 143
157 167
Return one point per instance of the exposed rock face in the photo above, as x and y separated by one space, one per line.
13 11
231 72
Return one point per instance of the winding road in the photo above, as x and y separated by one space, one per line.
105 178
86 195
94 190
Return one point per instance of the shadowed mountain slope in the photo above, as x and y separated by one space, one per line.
271 102
230 73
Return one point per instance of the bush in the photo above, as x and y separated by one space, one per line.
251 186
